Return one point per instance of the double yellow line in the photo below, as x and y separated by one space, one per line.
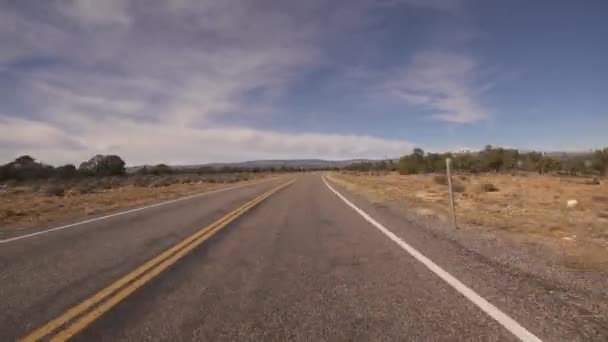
98 304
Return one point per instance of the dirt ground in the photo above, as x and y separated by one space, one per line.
525 207
24 207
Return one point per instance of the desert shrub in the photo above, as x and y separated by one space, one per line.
36 187
163 181
55 190
104 183
593 181
103 165
86 188
488 187
66 171
141 181
440 179
412 164
117 182
10 183
25 168
600 199
600 161
242 177
458 187
160 169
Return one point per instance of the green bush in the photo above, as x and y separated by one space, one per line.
66 171
103 165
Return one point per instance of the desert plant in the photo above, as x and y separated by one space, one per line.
55 190
163 181
103 165
66 171
86 188
160 169
488 187
458 187
440 179
600 199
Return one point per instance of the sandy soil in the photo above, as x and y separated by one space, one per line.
24 207
526 207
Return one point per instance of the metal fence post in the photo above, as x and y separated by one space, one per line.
448 162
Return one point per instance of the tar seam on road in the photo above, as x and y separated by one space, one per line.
130 211
86 312
507 322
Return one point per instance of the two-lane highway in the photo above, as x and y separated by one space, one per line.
300 262
44 275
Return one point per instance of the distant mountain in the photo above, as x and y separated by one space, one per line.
293 163
305 164
308 164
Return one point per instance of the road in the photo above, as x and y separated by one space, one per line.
299 263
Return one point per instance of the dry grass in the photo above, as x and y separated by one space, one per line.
35 205
522 206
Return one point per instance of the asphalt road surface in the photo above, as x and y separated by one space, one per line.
299 263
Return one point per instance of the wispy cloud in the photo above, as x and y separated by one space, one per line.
141 143
443 5
445 83
152 81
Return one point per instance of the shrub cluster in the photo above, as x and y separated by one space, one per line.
494 159
26 168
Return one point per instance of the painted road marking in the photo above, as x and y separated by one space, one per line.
130 211
509 323
117 291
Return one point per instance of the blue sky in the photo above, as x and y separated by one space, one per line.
191 81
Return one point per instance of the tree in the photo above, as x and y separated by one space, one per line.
491 158
103 165
24 161
4 172
409 165
418 152
26 168
600 161
66 171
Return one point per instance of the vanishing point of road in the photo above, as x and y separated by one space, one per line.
293 258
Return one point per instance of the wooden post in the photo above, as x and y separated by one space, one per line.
448 162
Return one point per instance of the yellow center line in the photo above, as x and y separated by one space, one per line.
156 265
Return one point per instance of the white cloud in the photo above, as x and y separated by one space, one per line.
445 83
443 5
29 134
94 12
152 81
140 143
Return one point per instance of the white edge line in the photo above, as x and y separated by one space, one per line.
509 323
130 211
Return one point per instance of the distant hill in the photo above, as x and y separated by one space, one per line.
294 163
305 164
308 164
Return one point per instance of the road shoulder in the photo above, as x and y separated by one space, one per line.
515 279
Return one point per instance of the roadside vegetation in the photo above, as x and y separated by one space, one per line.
494 159
33 194
559 201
